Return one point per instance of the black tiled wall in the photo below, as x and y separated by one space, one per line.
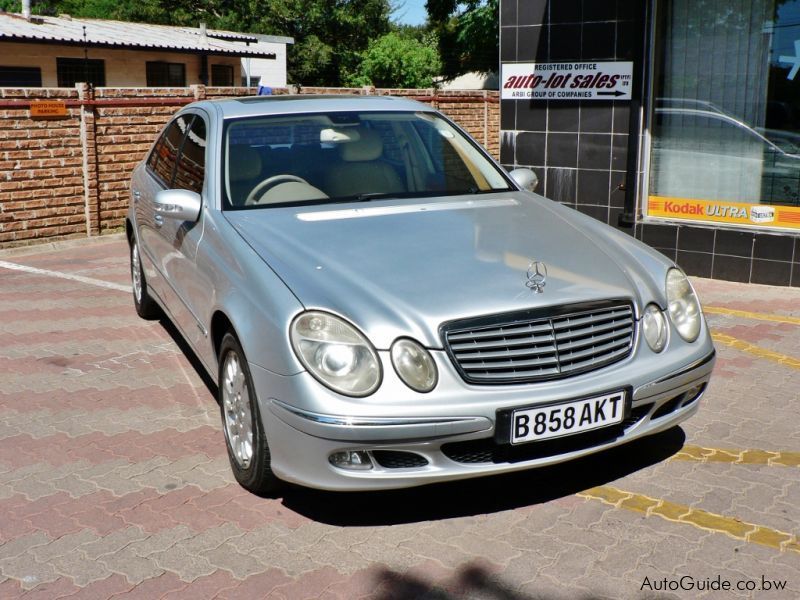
579 150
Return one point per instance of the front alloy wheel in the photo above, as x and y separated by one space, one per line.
241 421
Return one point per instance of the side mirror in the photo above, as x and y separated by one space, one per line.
525 178
183 205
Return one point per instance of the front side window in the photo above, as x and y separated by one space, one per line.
190 170
163 158
80 70
165 74
350 156
725 129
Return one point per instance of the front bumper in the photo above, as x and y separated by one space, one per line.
458 446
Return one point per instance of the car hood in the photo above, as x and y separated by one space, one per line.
403 267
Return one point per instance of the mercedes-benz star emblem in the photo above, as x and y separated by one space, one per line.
537 276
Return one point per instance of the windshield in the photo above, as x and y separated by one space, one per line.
350 156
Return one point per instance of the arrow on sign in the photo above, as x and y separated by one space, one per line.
614 93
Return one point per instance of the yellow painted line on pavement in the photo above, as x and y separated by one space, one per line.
746 314
739 457
694 517
736 343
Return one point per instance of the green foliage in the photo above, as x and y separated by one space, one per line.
329 35
397 59
468 34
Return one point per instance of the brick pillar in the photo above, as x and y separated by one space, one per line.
91 192
199 91
485 119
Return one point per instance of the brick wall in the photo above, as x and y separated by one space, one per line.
41 172
68 176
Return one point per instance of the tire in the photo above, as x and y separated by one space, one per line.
248 450
145 306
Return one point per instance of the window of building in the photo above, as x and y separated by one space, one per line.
80 70
165 74
20 77
222 75
725 128
190 170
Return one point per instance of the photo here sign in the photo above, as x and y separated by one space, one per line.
567 81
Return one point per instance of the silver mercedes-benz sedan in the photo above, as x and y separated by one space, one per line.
383 306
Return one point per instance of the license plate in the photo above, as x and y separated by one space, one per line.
567 418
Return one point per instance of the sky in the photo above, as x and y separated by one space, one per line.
411 12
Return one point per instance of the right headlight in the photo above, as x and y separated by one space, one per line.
336 353
684 307
414 365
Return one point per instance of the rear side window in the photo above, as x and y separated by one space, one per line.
190 171
165 154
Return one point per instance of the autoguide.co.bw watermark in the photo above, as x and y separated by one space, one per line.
688 583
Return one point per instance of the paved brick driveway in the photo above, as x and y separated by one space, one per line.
114 479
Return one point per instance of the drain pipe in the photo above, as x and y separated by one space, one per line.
26 9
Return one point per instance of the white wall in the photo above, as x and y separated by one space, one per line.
272 72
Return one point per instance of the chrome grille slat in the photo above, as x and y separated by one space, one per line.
512 364
503 377
502 331
594 339
532 351
573 321
566 367
573 332
503 344
524 348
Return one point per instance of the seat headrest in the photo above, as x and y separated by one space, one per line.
369 146
244 163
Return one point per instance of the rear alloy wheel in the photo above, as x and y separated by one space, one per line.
146 307
241 421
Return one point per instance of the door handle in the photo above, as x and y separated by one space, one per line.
159 220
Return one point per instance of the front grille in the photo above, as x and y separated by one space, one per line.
525 347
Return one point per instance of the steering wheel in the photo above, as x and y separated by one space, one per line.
270 182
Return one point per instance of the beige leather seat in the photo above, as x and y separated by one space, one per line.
244 172
362 171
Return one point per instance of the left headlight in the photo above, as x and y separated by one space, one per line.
336 353
684 307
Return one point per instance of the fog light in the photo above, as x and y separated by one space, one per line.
355 460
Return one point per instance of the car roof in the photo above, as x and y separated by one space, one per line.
251 106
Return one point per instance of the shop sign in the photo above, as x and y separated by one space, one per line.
48 108
567 81
718 211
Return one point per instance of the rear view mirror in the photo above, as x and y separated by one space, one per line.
525 178
183 205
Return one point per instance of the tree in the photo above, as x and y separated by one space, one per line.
398 60
468 33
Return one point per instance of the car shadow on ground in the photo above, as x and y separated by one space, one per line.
187 351
484 494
